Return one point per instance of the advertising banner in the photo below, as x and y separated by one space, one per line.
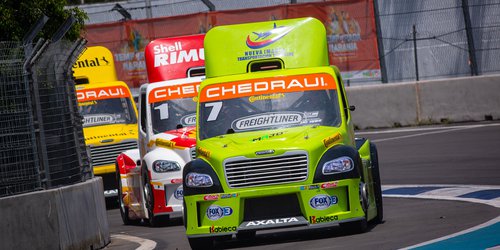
350 27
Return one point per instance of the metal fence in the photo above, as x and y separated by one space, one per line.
428 39
41 138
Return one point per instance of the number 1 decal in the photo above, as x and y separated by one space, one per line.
163 111
216 107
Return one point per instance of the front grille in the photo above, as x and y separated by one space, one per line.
244 172
193 153
105 155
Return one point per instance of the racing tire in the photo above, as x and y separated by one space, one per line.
153 221
377 185
201 243
123 208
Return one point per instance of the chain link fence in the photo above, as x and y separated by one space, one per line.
429 39
41 136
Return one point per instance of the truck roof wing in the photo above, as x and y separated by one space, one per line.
173 57
95 65
242 48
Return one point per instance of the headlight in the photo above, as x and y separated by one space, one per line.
198 180
338 165
162 166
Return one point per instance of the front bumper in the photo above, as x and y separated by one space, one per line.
261 208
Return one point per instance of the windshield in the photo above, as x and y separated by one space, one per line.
269 111
173 114
107 111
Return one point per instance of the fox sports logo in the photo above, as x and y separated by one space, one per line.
322 201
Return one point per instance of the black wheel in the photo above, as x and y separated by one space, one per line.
147 189
201 243
377 185
123 209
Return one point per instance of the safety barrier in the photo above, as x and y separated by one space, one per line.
426 102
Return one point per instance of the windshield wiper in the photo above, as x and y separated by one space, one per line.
230 131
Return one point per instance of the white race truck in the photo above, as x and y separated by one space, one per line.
150 178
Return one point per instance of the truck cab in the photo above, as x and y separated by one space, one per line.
275 138
150 175
108 110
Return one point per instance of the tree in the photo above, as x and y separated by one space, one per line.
18 16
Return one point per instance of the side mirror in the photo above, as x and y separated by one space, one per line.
351 108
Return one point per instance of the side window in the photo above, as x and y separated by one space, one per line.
343 97
142 113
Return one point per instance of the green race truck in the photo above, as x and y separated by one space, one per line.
275 141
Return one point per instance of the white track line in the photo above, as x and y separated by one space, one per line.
145 244
416 129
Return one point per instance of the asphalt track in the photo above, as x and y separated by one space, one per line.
454 168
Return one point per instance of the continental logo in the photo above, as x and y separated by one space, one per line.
322 219
268 86
328 141
173 92
105 136
203 152
164 143
90 63
265 97
86 95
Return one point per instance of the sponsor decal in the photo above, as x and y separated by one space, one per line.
164 143
203 152
270 85
322 201
312 187
226 196
105 136
189 120
265 137
271 222
175 54
176 181
328 141
211 197
172 92
266 120
258 40
89 63
215 212
328 185
179 193
265 152
322 219
222 229
89 120
85 95
254 98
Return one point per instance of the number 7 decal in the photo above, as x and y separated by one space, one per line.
216 107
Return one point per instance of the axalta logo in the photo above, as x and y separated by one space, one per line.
279 84
88 63
259 40
272 222
84 95
215 212
173 92
322 219
222 229
174 54
322 201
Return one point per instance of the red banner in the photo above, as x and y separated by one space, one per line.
350 27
